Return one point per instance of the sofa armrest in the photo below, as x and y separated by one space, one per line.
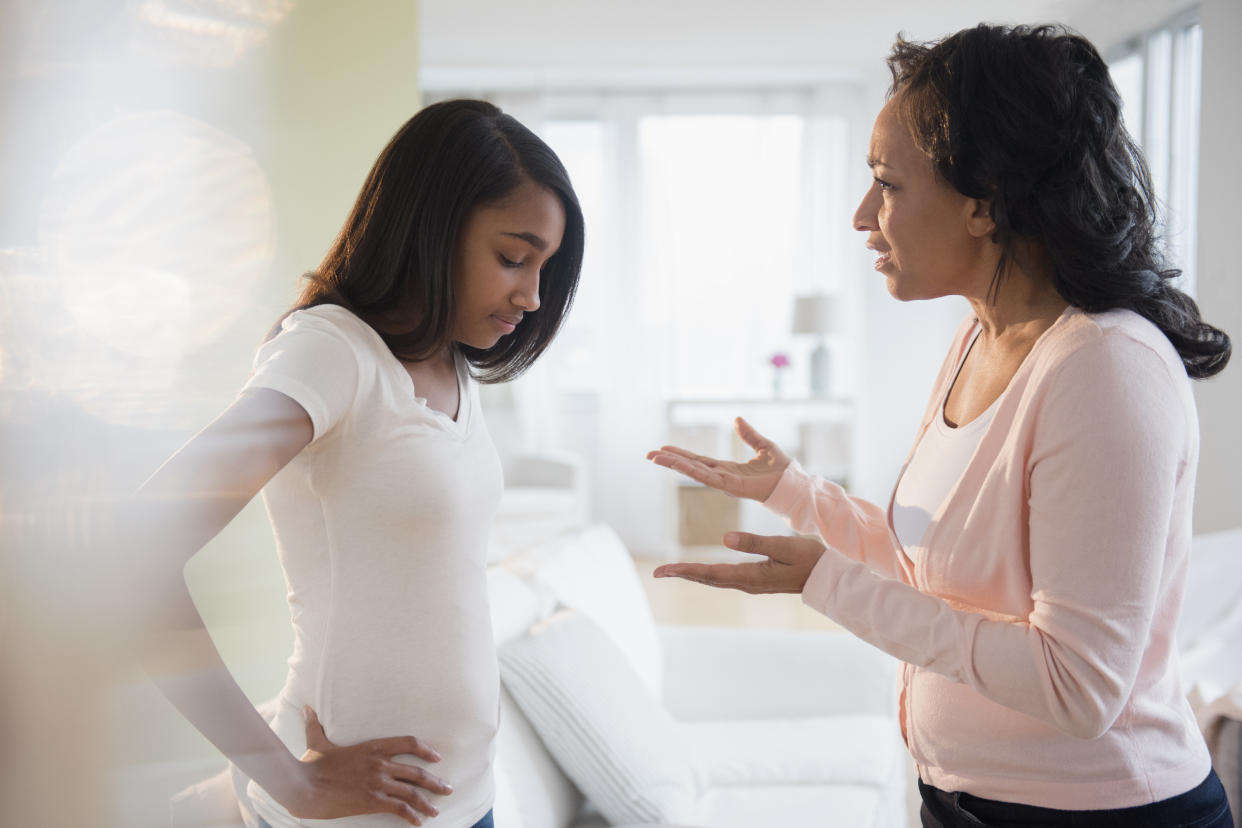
727 673
551 469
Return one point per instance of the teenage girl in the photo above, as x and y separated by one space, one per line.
361 426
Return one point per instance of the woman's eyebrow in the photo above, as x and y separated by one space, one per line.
530 238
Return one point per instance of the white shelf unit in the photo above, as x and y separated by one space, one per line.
817 431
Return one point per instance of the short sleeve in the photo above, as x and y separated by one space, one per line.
312 361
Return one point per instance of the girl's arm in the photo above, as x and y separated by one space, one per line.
182 506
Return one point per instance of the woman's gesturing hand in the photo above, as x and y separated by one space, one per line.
364 778
755 479
789 561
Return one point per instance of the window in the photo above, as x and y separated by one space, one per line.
1158 76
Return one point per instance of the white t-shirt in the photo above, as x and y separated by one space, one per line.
381 524
934 469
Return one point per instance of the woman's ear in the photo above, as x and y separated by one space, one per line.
979 222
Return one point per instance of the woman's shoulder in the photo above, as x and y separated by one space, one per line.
1121 332
1110 349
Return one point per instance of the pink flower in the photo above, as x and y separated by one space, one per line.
779 360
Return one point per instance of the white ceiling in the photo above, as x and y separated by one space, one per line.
566 39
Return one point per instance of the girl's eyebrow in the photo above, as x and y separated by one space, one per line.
530 238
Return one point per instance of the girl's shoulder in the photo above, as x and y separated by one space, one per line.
338 322
327 316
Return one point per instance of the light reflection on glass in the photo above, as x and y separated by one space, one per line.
153 234
214 33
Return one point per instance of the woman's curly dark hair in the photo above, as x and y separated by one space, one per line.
1028 118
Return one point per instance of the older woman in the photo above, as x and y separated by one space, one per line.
1030 566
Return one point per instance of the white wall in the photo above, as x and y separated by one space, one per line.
1219 493
587 35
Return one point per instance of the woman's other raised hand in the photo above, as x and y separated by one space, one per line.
754 479
786 565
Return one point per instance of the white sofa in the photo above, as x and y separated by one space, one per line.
1209 639
730 727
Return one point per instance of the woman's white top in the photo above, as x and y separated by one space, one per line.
934 469
381 525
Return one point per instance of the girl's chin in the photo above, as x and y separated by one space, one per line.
482 343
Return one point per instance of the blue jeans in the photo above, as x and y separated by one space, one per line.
1203 807
485 822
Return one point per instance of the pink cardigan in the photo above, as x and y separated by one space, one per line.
1037 631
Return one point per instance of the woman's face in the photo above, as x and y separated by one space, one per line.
503 247
931 240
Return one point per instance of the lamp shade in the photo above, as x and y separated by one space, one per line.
815 313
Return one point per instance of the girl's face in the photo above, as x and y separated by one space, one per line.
503 247
931 240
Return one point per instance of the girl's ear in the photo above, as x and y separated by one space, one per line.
979 222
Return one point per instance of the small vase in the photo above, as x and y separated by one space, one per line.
778 377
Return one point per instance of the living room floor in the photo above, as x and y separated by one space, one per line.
676 601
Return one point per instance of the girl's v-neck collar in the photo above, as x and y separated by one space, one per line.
458 426
461 423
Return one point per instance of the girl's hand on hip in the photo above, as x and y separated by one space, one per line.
755 479
364 778
789 561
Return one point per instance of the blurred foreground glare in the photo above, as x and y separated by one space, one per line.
155 230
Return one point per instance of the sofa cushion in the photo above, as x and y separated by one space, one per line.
539 793
861 749
591 571
607 731
211 803
530 515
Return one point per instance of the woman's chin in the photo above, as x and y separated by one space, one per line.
896 289
903 291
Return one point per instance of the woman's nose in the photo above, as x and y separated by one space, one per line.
865 215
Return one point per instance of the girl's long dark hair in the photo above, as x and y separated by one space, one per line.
392 263
1028 118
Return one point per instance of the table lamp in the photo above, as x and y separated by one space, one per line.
815 313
